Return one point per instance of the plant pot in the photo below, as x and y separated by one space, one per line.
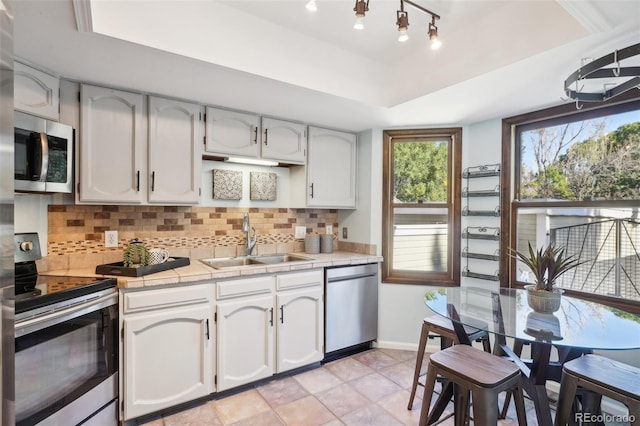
546 302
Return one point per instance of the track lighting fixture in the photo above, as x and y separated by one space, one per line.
402 21
360 9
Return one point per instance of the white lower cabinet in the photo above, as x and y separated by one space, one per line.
245 341
300 328
185 342
268 318
167 348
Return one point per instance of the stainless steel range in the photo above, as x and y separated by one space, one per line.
66 346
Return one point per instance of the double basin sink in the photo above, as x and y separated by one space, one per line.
234 262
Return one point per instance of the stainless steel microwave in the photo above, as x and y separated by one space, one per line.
43 155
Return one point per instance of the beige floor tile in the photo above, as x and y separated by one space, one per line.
401 374
342 399
396 405
282 391
268 418
201 415
400 355
335 422
307 411
376 359
348 368
370 415
241 406
317 380
157 422
374 386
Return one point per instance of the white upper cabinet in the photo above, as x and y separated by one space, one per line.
232 133
127 157
36 92
335 185
175 137
284 141
112 146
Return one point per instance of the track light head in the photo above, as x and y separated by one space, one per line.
311 6
433 35
360 9
402 22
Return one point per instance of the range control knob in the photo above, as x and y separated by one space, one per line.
26 246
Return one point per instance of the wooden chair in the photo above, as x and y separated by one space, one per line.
471 371
475 372
443 328
598 376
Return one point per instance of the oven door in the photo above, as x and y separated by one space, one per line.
66 363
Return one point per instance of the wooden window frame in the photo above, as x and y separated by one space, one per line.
452 276
510 186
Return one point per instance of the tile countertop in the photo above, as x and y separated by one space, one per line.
198 271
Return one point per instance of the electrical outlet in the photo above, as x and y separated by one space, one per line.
111 238
300 232
345 234
328 229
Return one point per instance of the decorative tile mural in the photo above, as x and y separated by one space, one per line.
227 184
263 186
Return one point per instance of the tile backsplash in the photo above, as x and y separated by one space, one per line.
80 228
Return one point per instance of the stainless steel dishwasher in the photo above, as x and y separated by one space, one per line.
351 308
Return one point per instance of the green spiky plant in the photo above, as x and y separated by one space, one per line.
547 264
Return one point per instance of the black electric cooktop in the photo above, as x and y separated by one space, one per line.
36 291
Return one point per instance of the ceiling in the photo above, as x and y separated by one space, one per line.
499 57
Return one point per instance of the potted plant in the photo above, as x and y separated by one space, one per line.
547 264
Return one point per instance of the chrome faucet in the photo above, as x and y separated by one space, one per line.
251 241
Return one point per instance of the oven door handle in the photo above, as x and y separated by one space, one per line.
56 317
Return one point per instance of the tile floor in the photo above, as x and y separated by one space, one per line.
369 388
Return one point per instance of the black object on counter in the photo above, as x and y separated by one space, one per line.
118 268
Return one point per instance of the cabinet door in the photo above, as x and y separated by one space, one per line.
284 141
112 146
167 358
333 186
300 328
232 133
245 341
175 155
36 92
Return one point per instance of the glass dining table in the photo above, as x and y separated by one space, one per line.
578 327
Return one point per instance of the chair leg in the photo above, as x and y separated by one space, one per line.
518 399
486 344
461 405
568 385
429 386
517 349
424 335
484 408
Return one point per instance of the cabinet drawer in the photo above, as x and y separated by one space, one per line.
166 297
300 279
244 287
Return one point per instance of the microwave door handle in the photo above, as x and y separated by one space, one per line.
44 157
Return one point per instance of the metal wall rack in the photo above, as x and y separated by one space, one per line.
482 189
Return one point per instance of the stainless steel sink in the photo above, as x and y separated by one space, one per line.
234 262
281 258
